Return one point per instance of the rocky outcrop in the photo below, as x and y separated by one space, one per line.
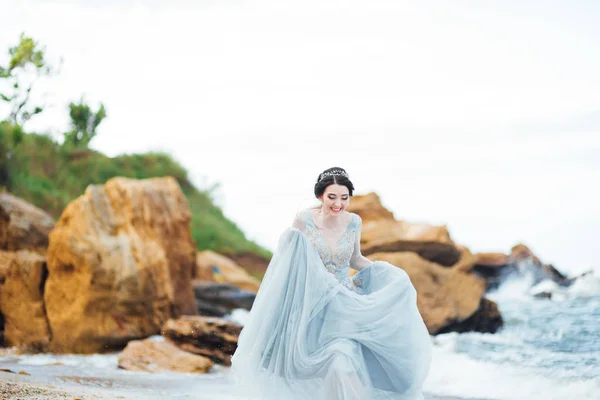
521 262
215 338
487 319
22 225
22 302
430 242
160 356
251 262
211 266
445 296
219 299
369 208
382 233
6 258
120 263
492 260
466 261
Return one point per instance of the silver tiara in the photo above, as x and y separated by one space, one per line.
335 172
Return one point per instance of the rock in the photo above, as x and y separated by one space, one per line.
120 263
494 275
492 259
487 319
445 296
251 262
154 356
22 225
521 263
543 295
215 338
430 242
556 275
382 233
219 299
520 252
211 266
6 259
493 267
22 303
369 208
467 260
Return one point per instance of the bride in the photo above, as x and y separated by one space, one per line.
315 331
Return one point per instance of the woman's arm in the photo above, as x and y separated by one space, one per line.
300 222
358 261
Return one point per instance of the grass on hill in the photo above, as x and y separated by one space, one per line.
46 174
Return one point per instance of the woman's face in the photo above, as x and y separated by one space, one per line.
335 199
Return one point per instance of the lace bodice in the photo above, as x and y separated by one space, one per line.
338 253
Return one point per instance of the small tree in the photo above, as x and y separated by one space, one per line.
26 66
84 123
10 137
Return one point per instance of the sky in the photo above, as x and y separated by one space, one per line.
484 116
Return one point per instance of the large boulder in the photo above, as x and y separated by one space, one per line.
161 356
6 259
215 338
432 243
445 296
22 302
369 208
466 261
120 264
22 225
211 266
381 232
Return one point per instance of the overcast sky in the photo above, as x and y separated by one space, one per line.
481 115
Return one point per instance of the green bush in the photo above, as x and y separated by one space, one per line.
49 175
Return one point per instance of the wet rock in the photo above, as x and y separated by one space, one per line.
160 356
445 296
22 225
219 299
543 295
495 268
215 338
120 263
487 319
22 303
211 266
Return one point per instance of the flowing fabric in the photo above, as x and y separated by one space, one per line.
314 333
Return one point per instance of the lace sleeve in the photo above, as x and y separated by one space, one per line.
300 222
358 261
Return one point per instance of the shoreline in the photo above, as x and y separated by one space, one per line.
19 381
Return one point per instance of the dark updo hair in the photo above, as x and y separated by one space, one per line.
331 176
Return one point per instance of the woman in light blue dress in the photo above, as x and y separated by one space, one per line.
315 332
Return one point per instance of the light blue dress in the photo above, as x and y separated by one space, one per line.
315 332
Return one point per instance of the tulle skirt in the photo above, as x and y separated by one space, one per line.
309 337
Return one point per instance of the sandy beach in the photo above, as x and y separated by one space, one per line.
68 382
